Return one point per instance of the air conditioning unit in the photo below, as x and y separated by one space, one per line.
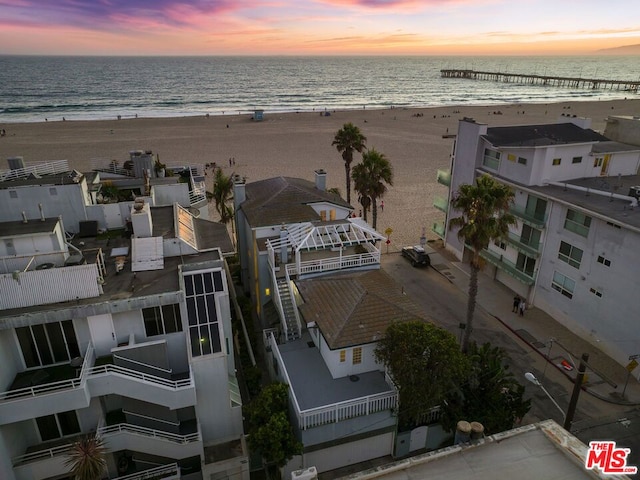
310 473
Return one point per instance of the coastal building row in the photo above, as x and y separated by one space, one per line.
573 251
124 334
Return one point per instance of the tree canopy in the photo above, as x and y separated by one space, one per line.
425 363
484 217
370 179
347 140
270 431
490 395
223 194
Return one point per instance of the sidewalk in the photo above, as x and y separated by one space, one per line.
545 335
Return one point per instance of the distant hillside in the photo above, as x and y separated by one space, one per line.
624 50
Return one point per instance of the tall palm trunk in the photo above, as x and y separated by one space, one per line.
471 304
347 171
374 212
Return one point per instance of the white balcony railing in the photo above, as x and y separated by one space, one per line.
335 412
48 168
41 454
144 377
157 473
149 432
334 263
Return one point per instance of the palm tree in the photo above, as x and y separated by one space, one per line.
361 181
222 194
371 178
347 140
86 458
485 217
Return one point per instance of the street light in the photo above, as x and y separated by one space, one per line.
577 385
532 378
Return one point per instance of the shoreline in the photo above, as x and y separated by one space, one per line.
296 144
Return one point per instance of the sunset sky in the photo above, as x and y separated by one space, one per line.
316 27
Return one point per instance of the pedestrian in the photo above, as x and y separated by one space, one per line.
516 304
522 307
382 206
229 161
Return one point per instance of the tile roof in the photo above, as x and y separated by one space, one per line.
541 135
355 308
284 200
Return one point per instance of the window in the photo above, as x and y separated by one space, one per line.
556 161
525 264
343 356
577 222
357 355
323 215
563 284
500 244
48 344
332 214
536 207
162 320
570 254
530 236
491 159
597 162
522 160
604 261
53 191
576 160
59 425
204 330
611 224
596 292
511 157
13 194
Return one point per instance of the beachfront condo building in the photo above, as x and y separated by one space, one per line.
314 275
122 336
573 252
100 199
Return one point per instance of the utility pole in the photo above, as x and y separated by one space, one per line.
577 386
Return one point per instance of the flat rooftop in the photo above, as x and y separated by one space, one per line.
311 380
540 451
615 209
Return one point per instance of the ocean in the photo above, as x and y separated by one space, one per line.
35 89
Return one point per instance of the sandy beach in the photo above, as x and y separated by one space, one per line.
295 144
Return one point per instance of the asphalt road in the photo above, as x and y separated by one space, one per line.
446 305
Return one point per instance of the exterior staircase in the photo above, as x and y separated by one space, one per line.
288 308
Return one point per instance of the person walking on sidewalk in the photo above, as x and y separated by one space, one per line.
382 206
522 307
516 304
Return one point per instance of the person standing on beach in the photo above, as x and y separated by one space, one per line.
516 304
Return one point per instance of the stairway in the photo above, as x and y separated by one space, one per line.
288 307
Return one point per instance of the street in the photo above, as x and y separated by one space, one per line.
446 304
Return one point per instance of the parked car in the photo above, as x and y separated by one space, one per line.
416 255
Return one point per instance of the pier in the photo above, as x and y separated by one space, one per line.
544 80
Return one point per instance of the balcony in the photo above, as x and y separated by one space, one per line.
124 436
444 177
320 247
534 220
319 399
529 248
507 266
441 204
64 387
163 472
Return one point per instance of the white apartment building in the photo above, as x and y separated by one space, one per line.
573 252
126 338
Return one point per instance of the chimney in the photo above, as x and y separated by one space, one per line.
321 180
141 219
